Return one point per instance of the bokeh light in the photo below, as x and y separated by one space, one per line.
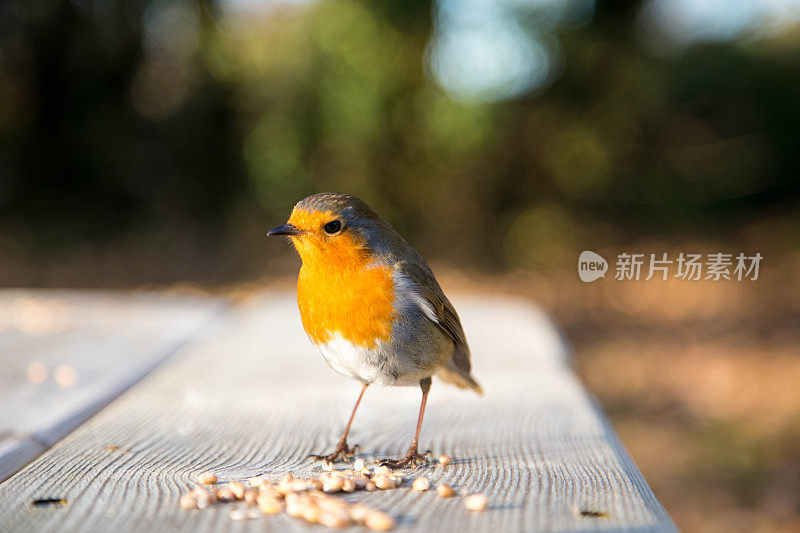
65 376
671 25
37 373
493 51
495 61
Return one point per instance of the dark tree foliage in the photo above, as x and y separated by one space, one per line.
132 117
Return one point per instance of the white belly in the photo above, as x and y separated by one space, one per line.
345 357
369 365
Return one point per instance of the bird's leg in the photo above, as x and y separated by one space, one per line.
342 449
412 456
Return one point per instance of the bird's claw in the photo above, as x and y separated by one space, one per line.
342 450
411 458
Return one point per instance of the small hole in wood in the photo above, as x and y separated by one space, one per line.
48 501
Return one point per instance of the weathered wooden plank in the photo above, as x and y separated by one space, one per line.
251 397
16 452
66 354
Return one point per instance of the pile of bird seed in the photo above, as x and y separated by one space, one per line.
312 499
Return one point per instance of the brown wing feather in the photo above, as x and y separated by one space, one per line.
457 370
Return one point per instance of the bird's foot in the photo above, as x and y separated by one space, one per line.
411 458
342 450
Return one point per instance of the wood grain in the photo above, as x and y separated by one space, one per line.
250 396
89 346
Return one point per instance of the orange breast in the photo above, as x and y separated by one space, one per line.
339 293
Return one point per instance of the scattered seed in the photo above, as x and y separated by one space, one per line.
265 485
269 505
285 486
295 510
475 502
378 521
237 488
359 512
329 503
445 460
293 498
384 482
382 470
200 492
237 515
311 513
207 478
421 484
332 485
445 491
310 499
269 491
359 464
334 519
226 494
206 500
203 498
251 496
188 501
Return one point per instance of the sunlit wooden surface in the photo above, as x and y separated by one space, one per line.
248 395
65 354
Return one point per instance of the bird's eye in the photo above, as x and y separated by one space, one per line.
332 227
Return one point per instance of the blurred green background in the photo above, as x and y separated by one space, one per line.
154 143
512 131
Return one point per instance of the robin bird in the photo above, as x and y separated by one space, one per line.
372 306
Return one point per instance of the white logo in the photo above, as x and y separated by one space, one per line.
591 266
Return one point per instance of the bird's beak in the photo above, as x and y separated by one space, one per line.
285 229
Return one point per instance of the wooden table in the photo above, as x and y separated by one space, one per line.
239 390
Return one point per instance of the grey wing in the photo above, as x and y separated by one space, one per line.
457 370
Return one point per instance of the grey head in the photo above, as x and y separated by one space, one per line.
351 214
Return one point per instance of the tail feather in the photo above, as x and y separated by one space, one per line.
454 376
